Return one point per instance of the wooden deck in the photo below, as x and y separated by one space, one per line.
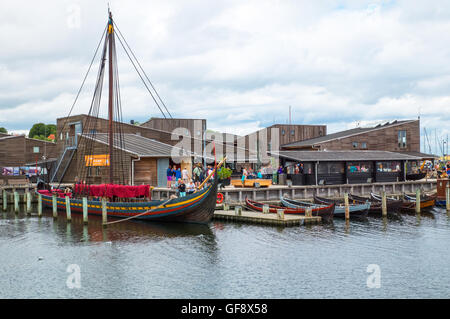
265 219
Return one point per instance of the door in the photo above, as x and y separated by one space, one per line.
163 164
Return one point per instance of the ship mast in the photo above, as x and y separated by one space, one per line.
111 95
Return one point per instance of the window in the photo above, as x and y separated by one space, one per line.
359 167
363 145
389 167
355 144
402 139
36 149
283 132
292 132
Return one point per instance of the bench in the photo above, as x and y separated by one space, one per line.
251 183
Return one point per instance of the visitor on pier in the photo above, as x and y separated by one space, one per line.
178 173
197 175
185 175
169 174
260 175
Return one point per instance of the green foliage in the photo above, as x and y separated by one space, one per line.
41 131
3 130
224 173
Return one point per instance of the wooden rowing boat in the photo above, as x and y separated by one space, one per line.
355 210
392 205
324 211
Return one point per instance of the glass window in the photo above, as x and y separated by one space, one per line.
359 167
402 139
308 168
36 149
389 167
292 132
283 132
355 144
363 145
323 168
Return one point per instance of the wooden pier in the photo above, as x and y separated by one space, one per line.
265 219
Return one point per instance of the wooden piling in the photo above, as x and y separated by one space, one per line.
280 213
16 201
347 207
104 212
418 201
85 211
40 205
308 212
54 206
383 204
238 210
226 206
28 200
447 197
5 199
68 212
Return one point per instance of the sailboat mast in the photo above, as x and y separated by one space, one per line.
111 95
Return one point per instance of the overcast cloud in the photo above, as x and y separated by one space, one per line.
239 64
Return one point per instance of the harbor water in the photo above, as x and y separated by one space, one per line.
47 258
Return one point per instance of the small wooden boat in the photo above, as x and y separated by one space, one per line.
393 205
415 176
355 210
324 211
426 202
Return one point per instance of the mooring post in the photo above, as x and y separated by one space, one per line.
226 206
308 212
280 213
28 199
54 206
347 207
418 201
383 204
447 197
40 205
238 210
16 201
68 212
265 209
85 211
104 212
5 199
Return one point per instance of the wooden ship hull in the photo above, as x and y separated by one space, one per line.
426 203
326 211
355 210
194 208
392 205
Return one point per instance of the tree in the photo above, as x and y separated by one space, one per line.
3 130
41 131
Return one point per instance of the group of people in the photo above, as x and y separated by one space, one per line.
185 182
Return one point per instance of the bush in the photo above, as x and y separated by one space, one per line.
224 173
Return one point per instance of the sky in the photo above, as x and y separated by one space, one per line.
238 64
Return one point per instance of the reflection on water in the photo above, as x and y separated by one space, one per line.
138 259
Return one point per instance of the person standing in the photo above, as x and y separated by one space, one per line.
185 175
178 173
169 174
197 174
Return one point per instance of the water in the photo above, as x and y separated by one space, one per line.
224 260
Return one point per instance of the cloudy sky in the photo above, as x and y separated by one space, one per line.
239 64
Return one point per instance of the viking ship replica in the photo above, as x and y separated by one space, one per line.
123 200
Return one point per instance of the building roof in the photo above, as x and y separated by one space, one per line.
421 155
343 134
341 156
142 146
